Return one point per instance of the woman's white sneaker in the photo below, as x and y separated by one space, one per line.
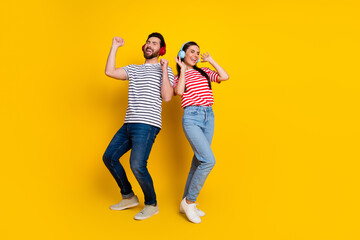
199 212
190 211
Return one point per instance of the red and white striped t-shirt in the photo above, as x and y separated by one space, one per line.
197 88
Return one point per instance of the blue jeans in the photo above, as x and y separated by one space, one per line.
140 138
198 125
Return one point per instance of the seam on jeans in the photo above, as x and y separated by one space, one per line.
148 151
112 165
149 133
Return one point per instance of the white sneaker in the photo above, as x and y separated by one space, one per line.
126 203
190 211
148 211
198 211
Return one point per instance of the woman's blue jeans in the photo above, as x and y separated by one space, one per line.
198 125
140 138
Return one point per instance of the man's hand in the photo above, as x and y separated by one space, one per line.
118 42
164 63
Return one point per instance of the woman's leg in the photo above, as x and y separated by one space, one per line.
198 125
194 164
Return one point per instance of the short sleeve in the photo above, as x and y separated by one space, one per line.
171 76
129 69
176 80
213 75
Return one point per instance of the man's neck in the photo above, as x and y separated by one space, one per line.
152 60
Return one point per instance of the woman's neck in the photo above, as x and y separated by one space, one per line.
188 67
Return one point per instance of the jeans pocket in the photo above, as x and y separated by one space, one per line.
156 132
192 112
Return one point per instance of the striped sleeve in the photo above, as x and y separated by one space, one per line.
212 74
171 76
129 69
176 79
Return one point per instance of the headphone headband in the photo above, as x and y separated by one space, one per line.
183 45
181 53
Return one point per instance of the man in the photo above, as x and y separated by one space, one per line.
149 84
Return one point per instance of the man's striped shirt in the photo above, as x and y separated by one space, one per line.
144 97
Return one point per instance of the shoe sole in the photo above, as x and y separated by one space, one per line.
143 218
123 208
183 212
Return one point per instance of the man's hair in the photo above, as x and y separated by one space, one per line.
159 36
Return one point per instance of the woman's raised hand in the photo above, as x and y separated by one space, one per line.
206 57
181 63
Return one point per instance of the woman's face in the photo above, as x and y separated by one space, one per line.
192 55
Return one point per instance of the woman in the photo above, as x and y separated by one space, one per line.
193 84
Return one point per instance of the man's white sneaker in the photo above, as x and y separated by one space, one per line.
198 211
148 211
190 211
126 203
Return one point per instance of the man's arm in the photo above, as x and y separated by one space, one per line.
110 70
166 89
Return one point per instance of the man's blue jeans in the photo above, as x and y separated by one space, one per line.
140 138
198 125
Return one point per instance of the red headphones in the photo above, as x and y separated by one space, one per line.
162 50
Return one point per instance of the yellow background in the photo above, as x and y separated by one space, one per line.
287 122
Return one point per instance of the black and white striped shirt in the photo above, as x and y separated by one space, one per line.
144 98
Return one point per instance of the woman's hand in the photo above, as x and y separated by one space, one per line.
206 57
181 63
222 74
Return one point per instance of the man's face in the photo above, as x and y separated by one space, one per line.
152 48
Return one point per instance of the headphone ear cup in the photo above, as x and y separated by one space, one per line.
143 47
181 54
162 51
198 60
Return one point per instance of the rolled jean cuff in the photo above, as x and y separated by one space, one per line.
191 199
127 195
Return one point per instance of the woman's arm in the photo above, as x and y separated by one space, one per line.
223 76
180 87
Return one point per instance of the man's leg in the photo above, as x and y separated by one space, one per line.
118 146
142 138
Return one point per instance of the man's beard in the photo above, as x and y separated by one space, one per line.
153 55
